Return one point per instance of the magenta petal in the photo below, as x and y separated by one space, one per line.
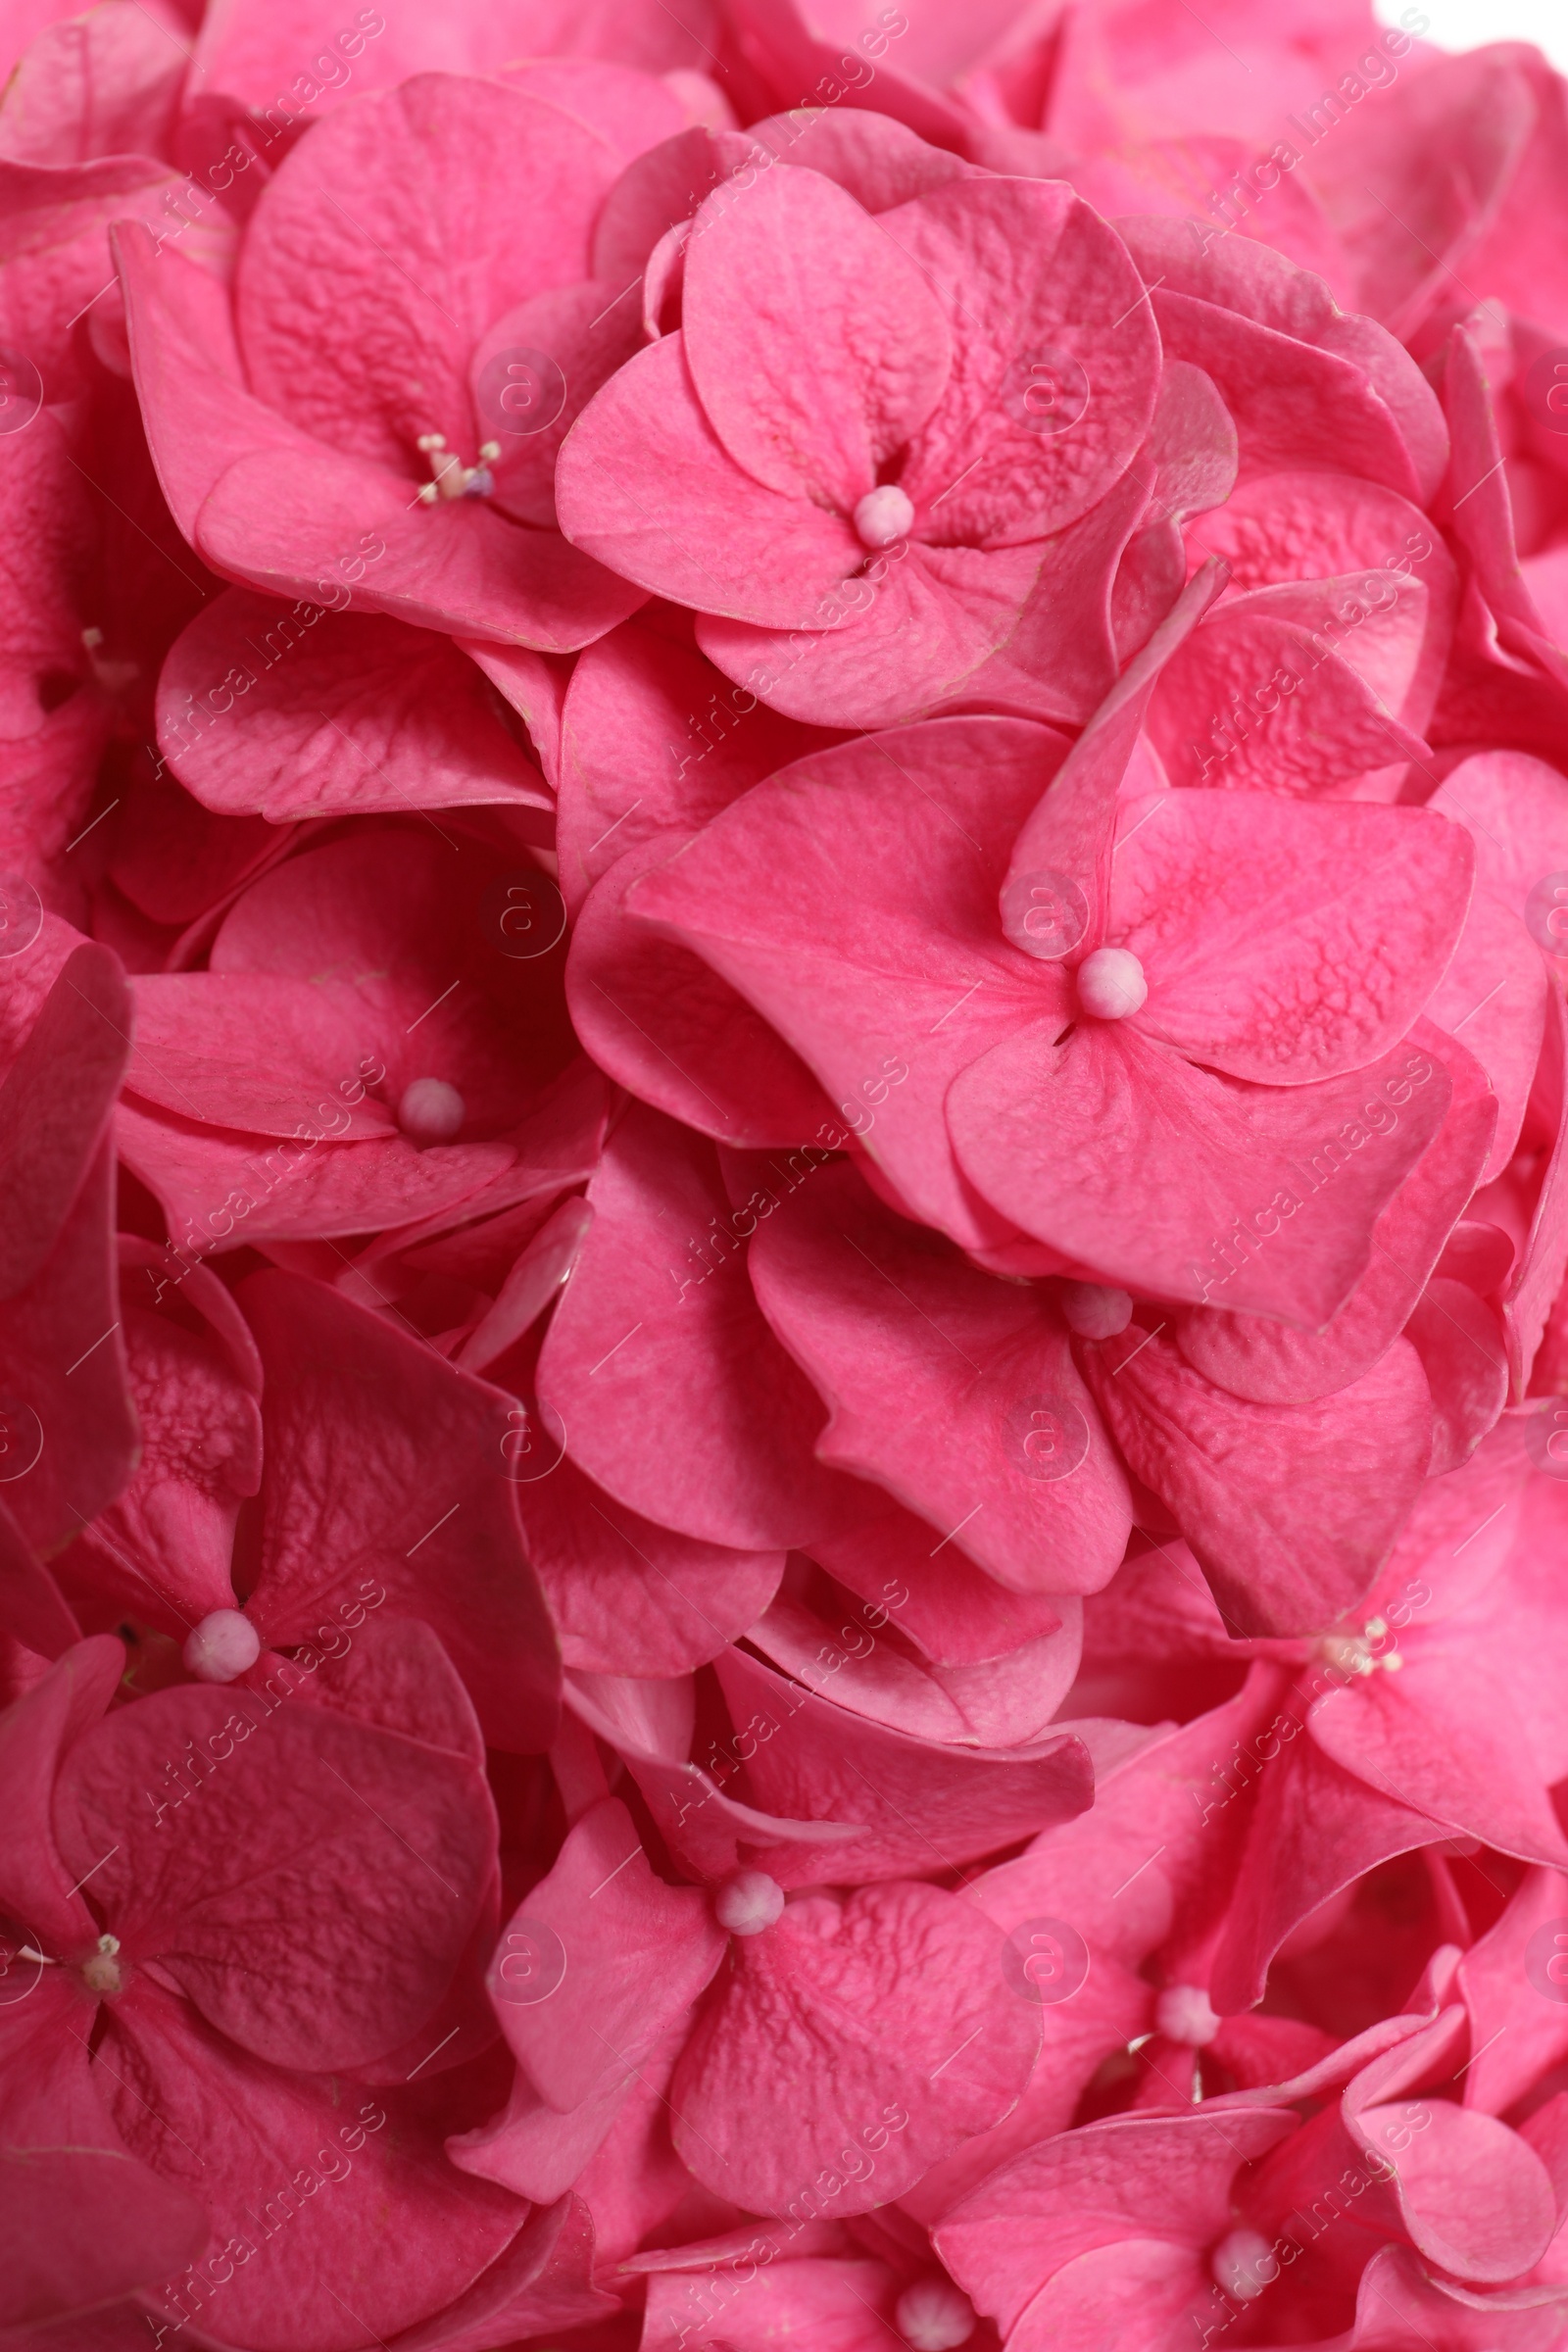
889 2016
637 1954
286 713
672 1393
816 343
645 484
1060 1137
387 1476
288 520
1290 1509
933 1372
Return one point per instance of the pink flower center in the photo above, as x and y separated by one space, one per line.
1361 1654
749 1903
101 1971
223 1645
884 515
1244 2262
450 477
1111 984
1094 1310
430 1112
933 2316
1183 2014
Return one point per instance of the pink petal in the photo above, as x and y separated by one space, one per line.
655 740
199 416
1205 1158
1256 701
673 1394
1238 910
84 2220
1437 1736
304 2172
164 1546
1290 1510
1023 266
1159 2182
299 1922
792 897
645 484
1271 1364
387 1469
1475 2198
938 1382
891 2021
628 1596
959 1619
846 356
460 567
488 193
659 1020
637 1953
333 714
908 633
918 1807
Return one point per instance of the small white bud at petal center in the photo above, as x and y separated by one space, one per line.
884 515
430 1112
1111 984
934 2315
221 1648
1183 2014
749 1903
1244 2262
